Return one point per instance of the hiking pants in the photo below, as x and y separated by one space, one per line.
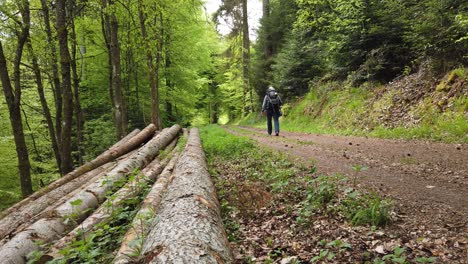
275 117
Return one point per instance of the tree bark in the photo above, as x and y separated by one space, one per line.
152 65
246 59
67 108
13 99
189 227
51 228
79 118
104 212
120 148
140 225
44 105
55 75
112 40
268 40
22 211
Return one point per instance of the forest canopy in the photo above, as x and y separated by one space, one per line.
77 75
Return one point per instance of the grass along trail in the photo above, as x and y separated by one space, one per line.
305 202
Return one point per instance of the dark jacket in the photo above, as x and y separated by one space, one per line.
269 107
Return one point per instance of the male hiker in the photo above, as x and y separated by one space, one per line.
271 107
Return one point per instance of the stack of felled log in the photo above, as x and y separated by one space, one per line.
178 221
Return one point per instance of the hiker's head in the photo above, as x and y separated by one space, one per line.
270 88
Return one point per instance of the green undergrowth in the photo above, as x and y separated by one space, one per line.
105 238
248 177
433 113
42 173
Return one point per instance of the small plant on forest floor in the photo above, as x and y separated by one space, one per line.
357 169
320 193
360 209
332 249
426 259
397 257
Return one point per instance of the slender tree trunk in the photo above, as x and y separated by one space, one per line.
105 25
152 67
111 25
119 111
76 96
67 109
44 105
268 40
155 94
55 75
33 138
13 100
246 58
169 109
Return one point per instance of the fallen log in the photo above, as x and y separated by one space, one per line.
29 209
125 145
148 175
139 228
76 208
189 227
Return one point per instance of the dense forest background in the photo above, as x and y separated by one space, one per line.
76 75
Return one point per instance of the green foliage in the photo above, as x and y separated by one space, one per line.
327 194
337 108
398 256
100 135
358 41
216 142
99 245
331 249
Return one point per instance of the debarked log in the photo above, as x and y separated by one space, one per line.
188 228
131 189
76 208
139 228
29 209
125 145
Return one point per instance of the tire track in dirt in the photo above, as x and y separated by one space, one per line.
426 179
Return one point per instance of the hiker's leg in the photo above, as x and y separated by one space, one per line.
269 125
276 117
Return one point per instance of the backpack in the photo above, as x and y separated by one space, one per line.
273 98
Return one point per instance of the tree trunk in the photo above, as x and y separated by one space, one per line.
140 225
268 40
169 86
104 212
114 152
45 106
22 211
112 40
119 111
189 227
105 25
246 59
76 96
15 250
55 75
152 65
67 109
13 99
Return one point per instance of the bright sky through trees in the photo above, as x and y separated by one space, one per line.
254 13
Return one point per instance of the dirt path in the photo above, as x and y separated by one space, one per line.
428 181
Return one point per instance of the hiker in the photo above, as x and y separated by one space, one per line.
271 107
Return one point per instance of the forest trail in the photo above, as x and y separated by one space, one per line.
426 180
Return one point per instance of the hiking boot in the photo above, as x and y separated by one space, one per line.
277 134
